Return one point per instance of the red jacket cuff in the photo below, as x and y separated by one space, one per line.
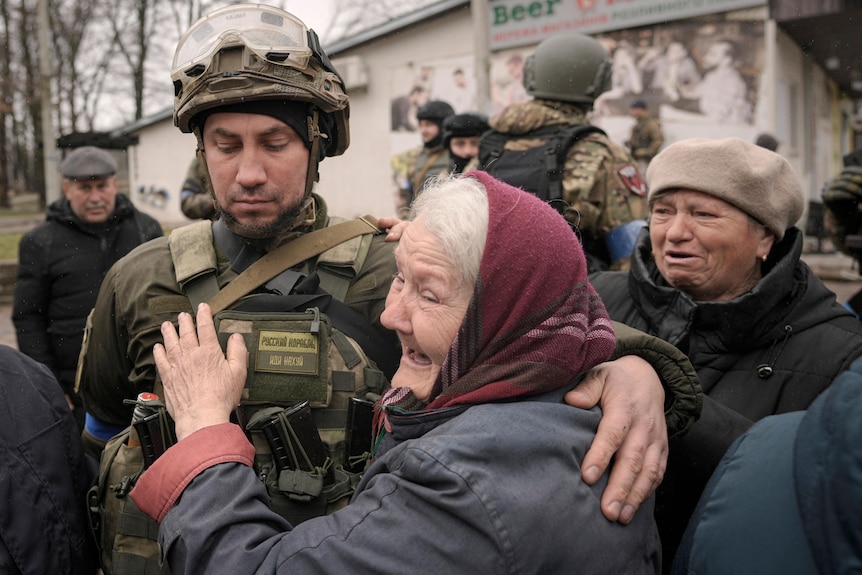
161 485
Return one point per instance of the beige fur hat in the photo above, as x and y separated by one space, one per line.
759 182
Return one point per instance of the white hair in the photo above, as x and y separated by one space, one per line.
455 210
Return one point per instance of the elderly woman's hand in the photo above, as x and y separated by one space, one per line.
394 227
633 426
202 386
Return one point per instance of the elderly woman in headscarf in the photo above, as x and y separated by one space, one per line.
476 465
718 274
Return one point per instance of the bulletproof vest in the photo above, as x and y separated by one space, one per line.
315 369
537 169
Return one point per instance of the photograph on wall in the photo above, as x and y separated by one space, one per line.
507 78
692 71
450 80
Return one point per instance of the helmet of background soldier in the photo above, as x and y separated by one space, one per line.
569 68
435 111
255 53
464 125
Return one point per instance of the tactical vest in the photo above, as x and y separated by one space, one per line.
537 169
306 407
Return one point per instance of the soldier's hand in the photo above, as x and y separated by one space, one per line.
632 427
202 386
394 227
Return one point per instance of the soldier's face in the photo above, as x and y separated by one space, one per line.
706 247
465 147
428 130
258 166
93 200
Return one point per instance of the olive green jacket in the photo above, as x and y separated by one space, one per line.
140 292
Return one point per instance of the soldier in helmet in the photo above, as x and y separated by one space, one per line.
258 115
266 107
195 197
602 192
461 134
415 166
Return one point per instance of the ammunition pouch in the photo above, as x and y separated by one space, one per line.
126 537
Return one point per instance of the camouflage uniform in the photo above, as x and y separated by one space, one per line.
411 169
601 185
196 199
646 140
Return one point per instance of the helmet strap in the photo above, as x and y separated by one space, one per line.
309 210
311 174
202 158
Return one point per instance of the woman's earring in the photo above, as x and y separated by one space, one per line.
764 257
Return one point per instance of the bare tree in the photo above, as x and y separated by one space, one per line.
5 99
110 57
28 129
133 26
79 72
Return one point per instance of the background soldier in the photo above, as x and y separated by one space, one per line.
412 168
646 138
461 133
602 190
196 200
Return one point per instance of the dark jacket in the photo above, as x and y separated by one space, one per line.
785 498
61 265
44 477
772 350
492 488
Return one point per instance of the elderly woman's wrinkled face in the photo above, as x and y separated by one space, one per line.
706 247
425 307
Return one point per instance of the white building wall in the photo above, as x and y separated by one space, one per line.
360 181
157 168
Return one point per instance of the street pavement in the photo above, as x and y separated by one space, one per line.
838 272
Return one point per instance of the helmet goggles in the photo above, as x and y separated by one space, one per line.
273 35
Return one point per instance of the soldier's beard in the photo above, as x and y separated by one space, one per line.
286 222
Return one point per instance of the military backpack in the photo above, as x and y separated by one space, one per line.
537 168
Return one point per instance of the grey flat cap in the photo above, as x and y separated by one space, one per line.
88 163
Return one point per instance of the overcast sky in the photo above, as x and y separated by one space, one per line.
315 13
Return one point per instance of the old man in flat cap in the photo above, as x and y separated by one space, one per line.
62 262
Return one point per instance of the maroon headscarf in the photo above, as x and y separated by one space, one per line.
534 322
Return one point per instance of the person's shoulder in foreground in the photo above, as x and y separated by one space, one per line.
45 474
785 496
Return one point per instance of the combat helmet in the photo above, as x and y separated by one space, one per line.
464 125
570 67
252 52
434 111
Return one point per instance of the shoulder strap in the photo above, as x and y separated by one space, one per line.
491 146
419 178
556 150
194 256
287 256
